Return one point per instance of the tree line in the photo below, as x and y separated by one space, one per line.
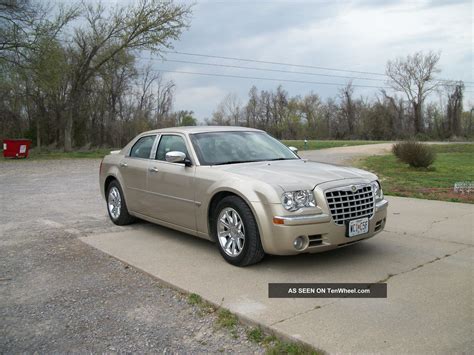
404 114
71 77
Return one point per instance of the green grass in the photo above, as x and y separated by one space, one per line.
225 319
45 154
454 163
321 144
255 335
79 154
194 299
34 154
275 346
203 306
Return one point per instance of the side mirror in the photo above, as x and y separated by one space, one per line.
175 157
294 150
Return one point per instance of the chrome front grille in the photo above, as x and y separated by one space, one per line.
350 202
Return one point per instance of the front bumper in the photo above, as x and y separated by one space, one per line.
318 229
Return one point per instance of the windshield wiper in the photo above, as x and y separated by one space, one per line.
236 162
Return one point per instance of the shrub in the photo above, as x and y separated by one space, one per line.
415 154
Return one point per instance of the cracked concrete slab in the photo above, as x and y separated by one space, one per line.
426 257
428 310
446 221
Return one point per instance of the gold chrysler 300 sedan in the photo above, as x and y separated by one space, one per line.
242 189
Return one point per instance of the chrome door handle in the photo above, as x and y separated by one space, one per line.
153 169
123 165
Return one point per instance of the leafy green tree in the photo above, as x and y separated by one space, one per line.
188 119
24 24
147 24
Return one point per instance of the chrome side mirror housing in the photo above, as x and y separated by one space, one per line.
294 150
175 157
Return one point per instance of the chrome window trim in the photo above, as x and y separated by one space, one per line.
198 163
156 135
185 142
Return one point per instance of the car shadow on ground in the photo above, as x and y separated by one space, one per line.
348 256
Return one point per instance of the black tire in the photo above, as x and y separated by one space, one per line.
124 217
252 251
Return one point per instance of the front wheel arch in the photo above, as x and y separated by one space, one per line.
253 251
216 198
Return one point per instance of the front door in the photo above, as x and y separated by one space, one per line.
171 185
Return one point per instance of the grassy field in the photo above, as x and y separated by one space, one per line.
57 154
317 144
99 153
454 163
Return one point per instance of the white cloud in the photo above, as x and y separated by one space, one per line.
350 36
198 98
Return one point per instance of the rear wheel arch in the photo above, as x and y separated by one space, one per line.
107 183
115 201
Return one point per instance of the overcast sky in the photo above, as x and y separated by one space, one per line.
353 35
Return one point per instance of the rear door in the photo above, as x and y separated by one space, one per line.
133 169
171 185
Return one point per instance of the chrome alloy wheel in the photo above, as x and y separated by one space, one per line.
231 232
114 202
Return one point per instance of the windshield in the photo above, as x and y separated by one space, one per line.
218 148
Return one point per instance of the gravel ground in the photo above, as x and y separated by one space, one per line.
346 155
59 295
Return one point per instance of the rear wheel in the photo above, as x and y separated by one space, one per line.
236 232
116 205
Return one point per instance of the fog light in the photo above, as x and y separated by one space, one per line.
299 243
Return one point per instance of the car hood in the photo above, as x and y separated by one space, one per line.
296 174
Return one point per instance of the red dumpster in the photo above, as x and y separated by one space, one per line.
16 148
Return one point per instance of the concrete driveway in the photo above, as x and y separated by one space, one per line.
425 256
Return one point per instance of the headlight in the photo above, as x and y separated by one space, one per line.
294 200
377 189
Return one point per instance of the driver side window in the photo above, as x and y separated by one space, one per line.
170 143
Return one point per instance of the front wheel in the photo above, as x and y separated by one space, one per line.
116 205
236 232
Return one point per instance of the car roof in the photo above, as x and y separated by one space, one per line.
203 129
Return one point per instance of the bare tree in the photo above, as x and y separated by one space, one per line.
24 25
164 99
414 76
228 112
396 113
348 108
252 108
454 109
147 24
311 107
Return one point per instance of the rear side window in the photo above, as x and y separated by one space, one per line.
170 143
142 148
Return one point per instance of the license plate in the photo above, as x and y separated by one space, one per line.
358 227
